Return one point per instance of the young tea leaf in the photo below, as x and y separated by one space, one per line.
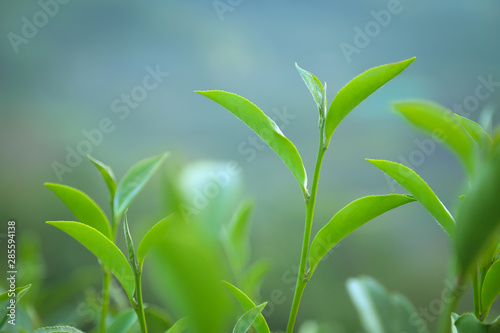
254 276
123 322
381 311
417 187
491 286
478 222
103 249
444 127
468 323
83 207
315 87
260 323
134 180
246 320
180 326
129 242
153 237
358 90
7 296
107 174
265 127
237 236
475 130
349 219
57 329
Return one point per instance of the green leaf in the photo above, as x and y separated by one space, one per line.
417 187
83 207
491 286
254 276
180 326
134 180
265 127
107 174
154 236
381 311
18 294
58 329
123 322
349 219
103 249
468 323
260 323
247 319
478 218
129 242
357 90
237 236
315 87
475 130
444 127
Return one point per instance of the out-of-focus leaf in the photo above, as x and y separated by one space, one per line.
475 130
259 323
478 221
83 207
468 323
134 180
265 127
237 236
180 326
254 276
58 329
441 123
123 322
357 90
107 174
315 87
18 294
381 311
491 285
103 249
246 320
153 237
157 318
417 187
349 219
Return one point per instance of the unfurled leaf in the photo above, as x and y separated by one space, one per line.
7 296
265 127
83 207
468 323
444 127
123 322
478 221
417 187
315 87
475 130
491 285
358 90
134 180
180 326
103 249
246 320
259 323
254 276
381 311
153 237
107 174
58 329
237 236
349 219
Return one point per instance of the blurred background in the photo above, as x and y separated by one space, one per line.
128 71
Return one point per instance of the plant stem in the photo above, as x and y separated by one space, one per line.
106 280
140 306
302 277
477 294
444 325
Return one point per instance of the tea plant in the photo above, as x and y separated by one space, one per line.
347 219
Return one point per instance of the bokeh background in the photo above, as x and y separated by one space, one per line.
65 77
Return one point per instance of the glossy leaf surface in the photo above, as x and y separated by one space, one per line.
107 174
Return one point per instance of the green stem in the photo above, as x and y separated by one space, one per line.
106 280
477 293
303 277
140 306
444 325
